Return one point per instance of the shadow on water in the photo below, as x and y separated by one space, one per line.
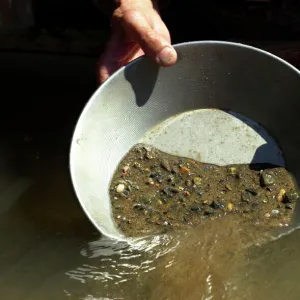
142 76
42 227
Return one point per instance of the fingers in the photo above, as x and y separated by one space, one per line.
118 53
154 44
136 32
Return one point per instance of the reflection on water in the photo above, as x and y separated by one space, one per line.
50 251
220 261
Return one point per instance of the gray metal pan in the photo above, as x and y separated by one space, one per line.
221 103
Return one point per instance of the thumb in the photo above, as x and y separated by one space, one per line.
154 44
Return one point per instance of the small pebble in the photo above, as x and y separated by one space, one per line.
149 181
291 196
120 188
188 183
228 187
275 212
217 205
232 170
184 170
175 169
174 190
230 206
251 191
280 195
126 193
137 165
171 178
246 197
166 223
267 178
267 215
159 202
166 190
139 206
288 206
197 181
195 207
199 192
149 155
145 199
166 165
125 169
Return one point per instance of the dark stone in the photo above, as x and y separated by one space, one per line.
195 207
126 193
251 191
218 205
154 175
267 178
139 206
291 196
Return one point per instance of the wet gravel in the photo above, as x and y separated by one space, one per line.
154 192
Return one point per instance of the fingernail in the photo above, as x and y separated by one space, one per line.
166 56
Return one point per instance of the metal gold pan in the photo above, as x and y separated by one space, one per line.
221 103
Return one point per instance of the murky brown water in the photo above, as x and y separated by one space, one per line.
50 251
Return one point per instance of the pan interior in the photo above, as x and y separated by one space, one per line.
215 136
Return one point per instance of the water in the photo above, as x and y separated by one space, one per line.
49 250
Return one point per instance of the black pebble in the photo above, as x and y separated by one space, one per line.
217 205
291 196
139 206
195 207
251 191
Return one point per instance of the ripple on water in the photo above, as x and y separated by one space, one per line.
211 262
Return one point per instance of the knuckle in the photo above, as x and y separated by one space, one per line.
117 15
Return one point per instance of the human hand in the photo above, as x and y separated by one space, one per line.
137 29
